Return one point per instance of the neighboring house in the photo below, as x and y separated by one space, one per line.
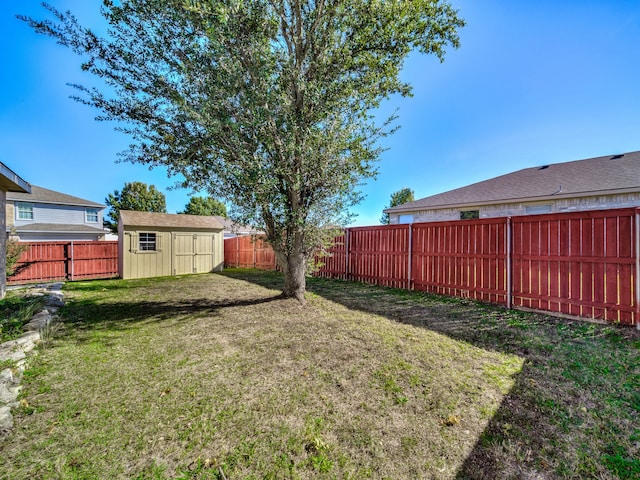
9 182
593 184
47 215
232 229
163 244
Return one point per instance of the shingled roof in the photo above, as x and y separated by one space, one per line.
153 219
580 178
44 195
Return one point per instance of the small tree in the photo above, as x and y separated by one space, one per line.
14 250
400 197
137 196
205 206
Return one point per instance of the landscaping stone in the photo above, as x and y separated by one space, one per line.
7 376
11 353
6 419
16 350
8 394
27 339
39 320
54 300
5 395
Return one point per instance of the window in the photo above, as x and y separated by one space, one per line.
147 242
469 214
536 209
91 215
24 211
405 219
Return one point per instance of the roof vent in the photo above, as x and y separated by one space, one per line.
543 167
615 157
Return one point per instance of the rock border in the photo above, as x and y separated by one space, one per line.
16 350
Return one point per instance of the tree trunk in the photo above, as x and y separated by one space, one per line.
294 267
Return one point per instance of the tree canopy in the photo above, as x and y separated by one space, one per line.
404 195
267 104
137 196
205 206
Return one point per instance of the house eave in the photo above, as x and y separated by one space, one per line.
11 182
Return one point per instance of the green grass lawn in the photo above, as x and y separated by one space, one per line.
216 376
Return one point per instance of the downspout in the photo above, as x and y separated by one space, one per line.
509 286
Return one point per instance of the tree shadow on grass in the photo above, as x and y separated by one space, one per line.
572 409
87 315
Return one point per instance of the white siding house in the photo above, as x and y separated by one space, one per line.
47 215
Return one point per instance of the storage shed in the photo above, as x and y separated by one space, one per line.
163 244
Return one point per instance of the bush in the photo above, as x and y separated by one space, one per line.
14 251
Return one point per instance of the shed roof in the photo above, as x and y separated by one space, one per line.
44 195
594 176
153 219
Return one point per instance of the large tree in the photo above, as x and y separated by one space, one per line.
404 195
267 104
205 206
137 196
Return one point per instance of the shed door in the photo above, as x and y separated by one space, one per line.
204 252
193 253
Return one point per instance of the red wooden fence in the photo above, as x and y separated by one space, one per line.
583 264
579 264
465 259
249 252
48 261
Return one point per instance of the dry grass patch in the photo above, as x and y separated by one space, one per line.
194 376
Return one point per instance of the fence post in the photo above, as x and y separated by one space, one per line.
637 272
409 259
71 255
509 272
255 247
346 254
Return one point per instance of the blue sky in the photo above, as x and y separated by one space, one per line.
534 82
